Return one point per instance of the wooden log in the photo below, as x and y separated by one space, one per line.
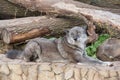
9 10
11 36
18 30
71 6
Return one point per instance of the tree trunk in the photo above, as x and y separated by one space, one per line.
17 30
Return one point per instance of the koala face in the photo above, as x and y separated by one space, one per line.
77 36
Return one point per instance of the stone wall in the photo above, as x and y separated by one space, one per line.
19 70
57 71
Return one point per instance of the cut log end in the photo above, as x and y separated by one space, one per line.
10 37
5 35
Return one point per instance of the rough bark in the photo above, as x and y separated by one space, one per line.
9 10
73 8
17 30
100 16
64 6
15 35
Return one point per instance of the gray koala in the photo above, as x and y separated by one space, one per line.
70 48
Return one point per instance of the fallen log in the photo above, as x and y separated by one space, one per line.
67 7
11 36
73 8
9 10
18 30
